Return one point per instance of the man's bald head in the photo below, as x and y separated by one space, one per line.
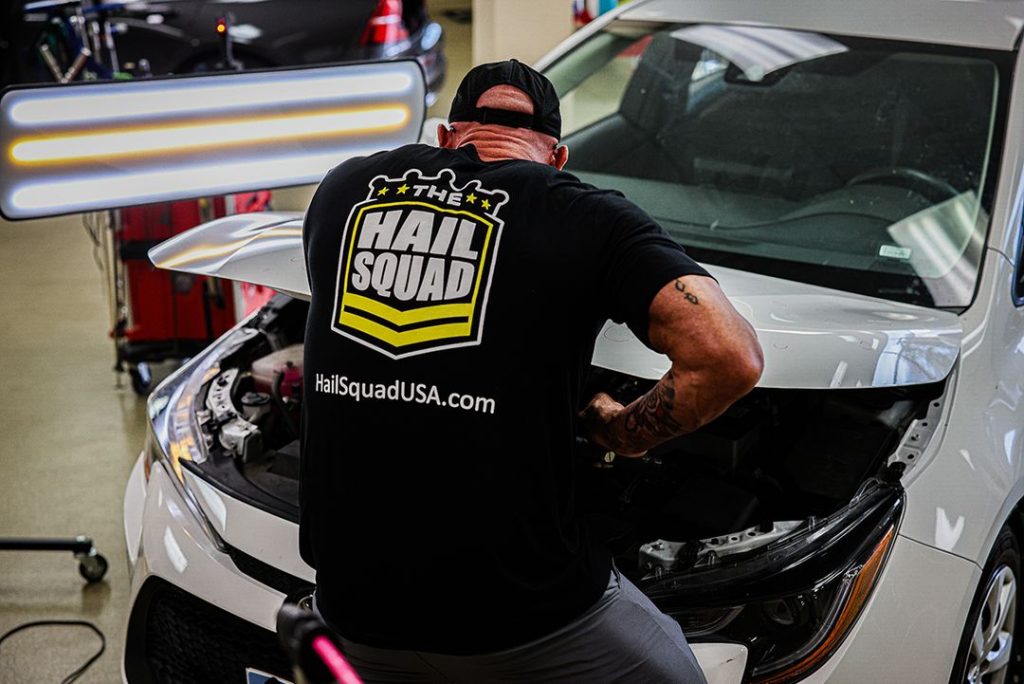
495 142
506 97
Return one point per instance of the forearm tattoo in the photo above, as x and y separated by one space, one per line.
651 417
690 297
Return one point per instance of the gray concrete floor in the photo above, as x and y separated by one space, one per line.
69 437
70 432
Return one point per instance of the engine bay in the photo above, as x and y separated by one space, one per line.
776 462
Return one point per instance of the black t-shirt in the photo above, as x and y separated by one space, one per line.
455 306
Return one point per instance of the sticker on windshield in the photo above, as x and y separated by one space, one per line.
894 252
416 263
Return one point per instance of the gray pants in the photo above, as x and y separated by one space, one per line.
622 638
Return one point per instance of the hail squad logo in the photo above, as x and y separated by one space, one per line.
416 263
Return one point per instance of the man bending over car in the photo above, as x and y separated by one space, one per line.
457 293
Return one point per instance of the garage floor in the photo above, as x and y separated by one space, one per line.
70 432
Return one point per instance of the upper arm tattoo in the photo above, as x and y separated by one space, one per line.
690 297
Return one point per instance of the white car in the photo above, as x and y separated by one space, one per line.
851 173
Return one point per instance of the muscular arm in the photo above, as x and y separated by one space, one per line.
716 359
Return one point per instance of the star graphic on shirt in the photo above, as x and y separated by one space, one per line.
402 189
471 198
486 204
382 191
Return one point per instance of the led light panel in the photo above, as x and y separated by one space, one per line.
94 146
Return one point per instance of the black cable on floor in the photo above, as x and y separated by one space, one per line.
64 623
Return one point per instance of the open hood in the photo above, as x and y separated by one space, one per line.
813 337
262 248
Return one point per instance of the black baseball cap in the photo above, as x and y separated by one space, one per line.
545 118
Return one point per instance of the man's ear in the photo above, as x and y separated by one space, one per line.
445 136
560 156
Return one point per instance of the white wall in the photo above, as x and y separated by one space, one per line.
524 29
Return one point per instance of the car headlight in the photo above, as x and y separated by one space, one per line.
173 436
793 604
172 420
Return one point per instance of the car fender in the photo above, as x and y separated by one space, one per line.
962 496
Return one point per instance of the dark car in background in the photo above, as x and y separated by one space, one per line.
180 36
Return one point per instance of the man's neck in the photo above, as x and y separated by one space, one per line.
493 146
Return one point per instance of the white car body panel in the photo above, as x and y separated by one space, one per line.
134 498
982 442
918 607
176 547
261 248
721 663
813 337
262 535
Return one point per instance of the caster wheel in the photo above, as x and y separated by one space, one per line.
142 378
93 568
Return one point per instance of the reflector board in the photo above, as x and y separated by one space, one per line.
93 146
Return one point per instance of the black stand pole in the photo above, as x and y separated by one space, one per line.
91 565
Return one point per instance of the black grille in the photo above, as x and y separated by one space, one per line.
176 638
284 582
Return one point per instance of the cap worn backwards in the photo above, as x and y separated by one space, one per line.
545 119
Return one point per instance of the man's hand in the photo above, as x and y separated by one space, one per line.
598 420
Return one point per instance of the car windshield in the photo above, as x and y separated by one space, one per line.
854 164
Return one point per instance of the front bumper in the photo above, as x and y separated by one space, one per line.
174 636
196 616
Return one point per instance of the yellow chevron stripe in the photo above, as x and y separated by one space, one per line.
405 337
397 317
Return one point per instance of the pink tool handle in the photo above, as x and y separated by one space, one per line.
334 661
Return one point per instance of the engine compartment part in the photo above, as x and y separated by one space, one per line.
662 555
236 433
918 434
267 372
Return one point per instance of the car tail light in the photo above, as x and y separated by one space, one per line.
385 25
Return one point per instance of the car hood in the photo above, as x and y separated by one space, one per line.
813 337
